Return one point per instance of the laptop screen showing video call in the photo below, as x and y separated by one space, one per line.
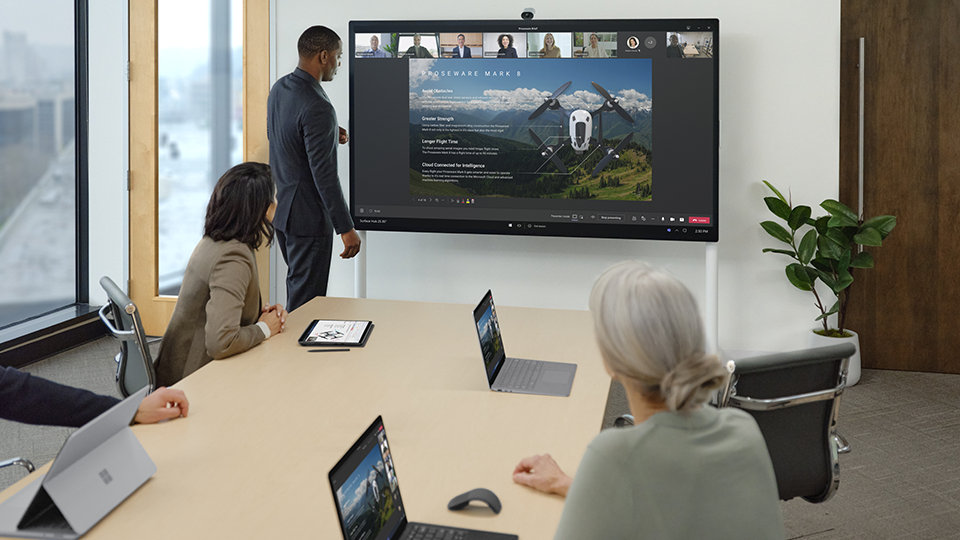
366 489
488 329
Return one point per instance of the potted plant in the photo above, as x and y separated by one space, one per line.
393 45
828 249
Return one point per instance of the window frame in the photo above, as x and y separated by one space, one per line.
26 340
81 100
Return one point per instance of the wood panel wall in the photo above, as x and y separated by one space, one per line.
904 308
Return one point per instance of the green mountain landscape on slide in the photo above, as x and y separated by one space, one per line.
627 179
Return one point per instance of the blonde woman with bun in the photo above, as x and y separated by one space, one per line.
685 469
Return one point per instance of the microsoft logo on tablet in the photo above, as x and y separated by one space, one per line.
105 476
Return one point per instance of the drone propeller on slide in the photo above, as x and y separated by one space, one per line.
550 102
612 102
612 153
549 151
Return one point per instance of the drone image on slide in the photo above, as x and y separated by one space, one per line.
581 129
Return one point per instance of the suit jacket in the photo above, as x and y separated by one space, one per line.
303 133
417 52
466 52
32 400
216 313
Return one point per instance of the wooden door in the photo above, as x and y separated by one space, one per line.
155 308
905 308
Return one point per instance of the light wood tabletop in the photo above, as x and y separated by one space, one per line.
266 426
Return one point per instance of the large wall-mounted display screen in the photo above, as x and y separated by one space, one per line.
598 128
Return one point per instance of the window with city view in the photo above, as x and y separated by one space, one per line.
38 156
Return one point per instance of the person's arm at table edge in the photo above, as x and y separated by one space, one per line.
34 400
597 479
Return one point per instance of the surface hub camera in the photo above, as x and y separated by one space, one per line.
527 13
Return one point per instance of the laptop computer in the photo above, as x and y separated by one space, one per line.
516 374
98 466
367 496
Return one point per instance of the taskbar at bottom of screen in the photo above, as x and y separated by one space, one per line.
639 230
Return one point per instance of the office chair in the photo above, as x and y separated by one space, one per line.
25 463
795 399
135 367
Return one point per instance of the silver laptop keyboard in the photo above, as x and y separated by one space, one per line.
524 374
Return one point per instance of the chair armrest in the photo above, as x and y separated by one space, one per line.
723 395
125 335
754 404
843 447
25 463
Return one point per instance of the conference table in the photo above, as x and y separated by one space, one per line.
266 426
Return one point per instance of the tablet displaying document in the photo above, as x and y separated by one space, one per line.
340 333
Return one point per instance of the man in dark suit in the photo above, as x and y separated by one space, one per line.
32 400
461 50
303 134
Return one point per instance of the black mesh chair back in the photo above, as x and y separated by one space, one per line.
795 399
135 367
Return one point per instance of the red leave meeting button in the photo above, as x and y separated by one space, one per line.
698 220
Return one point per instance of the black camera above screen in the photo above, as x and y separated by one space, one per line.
595 128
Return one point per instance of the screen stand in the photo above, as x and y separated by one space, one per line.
360 268
711 296
711 291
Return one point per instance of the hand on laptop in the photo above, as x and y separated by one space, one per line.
542 473
163 404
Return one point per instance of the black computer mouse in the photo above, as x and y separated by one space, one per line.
480 494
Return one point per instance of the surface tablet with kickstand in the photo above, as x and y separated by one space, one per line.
97 468
321 332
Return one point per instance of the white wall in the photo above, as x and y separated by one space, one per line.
779 121
107 151
779 115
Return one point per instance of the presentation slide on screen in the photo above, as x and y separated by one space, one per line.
561 129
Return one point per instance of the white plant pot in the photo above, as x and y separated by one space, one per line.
853 368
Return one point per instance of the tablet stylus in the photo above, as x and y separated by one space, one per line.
329 350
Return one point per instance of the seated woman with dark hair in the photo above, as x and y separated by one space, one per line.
685 470
506 47
218 312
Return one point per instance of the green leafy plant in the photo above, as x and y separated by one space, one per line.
392 46
826 248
